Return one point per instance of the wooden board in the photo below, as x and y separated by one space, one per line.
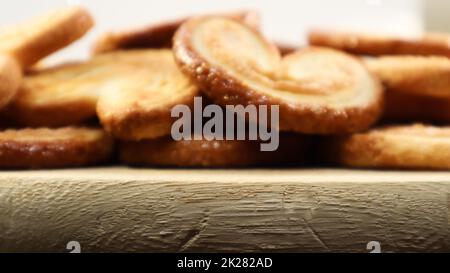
294 210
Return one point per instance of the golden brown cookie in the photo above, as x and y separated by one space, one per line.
293 149
54 148
156 36
402 107
285 48
371 44
10 79
37 38
416 75
68 94
398 147
318 90
139 105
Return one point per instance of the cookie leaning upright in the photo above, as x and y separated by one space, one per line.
137 105
37 38
318 90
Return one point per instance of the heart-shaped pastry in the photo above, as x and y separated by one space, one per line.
318 90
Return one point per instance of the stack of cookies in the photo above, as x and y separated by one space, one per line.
328 99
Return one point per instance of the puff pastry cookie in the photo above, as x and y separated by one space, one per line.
318 90
37 38
401 147
416 75
54 148
138 105
158 35
10 79
293 149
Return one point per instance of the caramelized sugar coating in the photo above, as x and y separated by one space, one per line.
399 147
37 38
138 106
318 90
10 79
416 75
293 149
54 148
157 35
371 44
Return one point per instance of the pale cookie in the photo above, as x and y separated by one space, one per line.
371 44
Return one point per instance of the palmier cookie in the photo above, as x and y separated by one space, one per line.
139 105
10 79
54 148
37 38
158 35
376 45
398 147
403 107
293 149
416 75
68 94
318 90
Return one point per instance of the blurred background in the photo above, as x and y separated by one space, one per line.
285 21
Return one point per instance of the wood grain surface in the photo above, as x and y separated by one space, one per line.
164 210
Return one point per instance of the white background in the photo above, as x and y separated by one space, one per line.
283 20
